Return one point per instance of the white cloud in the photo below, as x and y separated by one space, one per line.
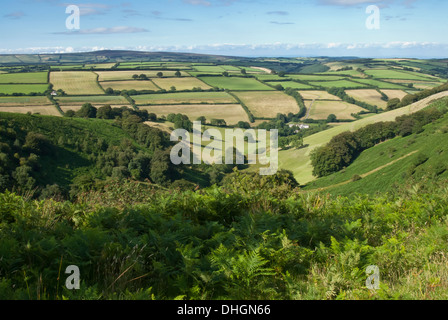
113 30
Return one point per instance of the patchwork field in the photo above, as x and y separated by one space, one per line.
129 85
231 113
94 100
235 83
318 95
23 88
181 83
320 110
76 82
30 77
184 97
127 75
268 105
370 96
46 110
396 74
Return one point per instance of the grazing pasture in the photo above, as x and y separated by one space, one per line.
29 77
338 84
236 83
76 82
380 84
23 88
290 84
268 105
396 74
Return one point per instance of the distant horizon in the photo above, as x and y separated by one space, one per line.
242 28
226 55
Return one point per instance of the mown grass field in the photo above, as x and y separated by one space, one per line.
370 96
268 105
23 88
129 85
46 110
298 161
95 100
184 97
29 77
76 82
236 83
319 110
318 95
394 94
231 113
186 83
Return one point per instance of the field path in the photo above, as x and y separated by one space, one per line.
308 110
368 173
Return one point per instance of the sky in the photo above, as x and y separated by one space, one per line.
253 28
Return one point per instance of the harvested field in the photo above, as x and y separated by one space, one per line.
268 104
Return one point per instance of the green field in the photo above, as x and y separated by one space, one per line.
236 83
380 84
290 84
338 84
28 78
184 97
309 77
396 74
22 88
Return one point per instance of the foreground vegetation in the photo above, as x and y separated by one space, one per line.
249 239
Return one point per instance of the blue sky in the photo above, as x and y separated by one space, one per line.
408 28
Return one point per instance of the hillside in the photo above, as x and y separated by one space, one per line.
393 163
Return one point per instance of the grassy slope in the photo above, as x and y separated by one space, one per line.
386 165
298 161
